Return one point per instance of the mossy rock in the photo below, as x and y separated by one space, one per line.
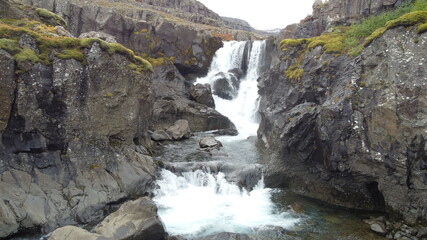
50 17
417 18
293 43
63 47
294 72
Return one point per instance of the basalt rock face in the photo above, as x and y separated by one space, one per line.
330 13
238 24
140 28
177 48
72 139
173 103
351 131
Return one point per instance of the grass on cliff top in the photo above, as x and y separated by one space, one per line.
50 17
351 40
62 47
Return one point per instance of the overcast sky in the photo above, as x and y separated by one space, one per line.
263 14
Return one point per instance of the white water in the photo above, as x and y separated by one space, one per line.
243 109
200 203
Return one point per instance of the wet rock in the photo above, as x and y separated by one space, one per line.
133 220
202 94
297 207
179 130
75 233
227 132
209 142
237 74
160 135
222 87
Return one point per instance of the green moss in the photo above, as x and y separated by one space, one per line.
144 64
378 33
155 62
292 43
72 54
294 72
410 19
422 28
50 17
27 54
331 42
9 45
65 47
417 18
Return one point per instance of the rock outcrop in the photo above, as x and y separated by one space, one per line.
238 24
73 124
176 48
133 220
329 13
351 130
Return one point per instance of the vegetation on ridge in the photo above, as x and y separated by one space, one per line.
48 42
351 40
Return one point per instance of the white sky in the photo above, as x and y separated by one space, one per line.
263 14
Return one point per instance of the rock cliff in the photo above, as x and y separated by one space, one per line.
350 130
73 124
179 49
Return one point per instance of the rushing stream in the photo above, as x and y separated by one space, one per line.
202 202
200 194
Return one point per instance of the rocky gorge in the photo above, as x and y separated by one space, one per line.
90 90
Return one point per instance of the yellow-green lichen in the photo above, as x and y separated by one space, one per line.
26 54
292 43
422 28
63 47
72 54
294 72
9 45
417 18
50 17
331 42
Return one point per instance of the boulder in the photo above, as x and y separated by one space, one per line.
179 130
133 220
209 142
160 135
379 228
297 207
75 233
223 87
202 93
228 132
237 72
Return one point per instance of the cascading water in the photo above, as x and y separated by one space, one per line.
243 109
200 203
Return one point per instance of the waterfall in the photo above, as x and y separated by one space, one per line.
200 203
243 108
